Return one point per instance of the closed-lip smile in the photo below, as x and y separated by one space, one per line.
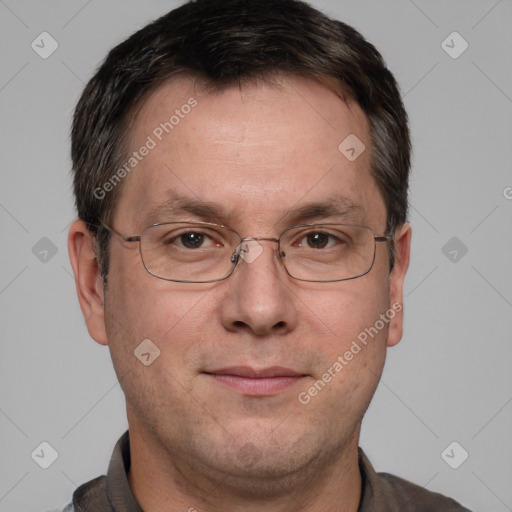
256 381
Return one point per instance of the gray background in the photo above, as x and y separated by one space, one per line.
448 380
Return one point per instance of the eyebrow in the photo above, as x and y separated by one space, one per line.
335 207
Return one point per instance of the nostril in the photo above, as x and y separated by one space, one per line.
239 324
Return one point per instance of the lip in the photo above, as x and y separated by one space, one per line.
256 382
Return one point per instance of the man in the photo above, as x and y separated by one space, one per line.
241 175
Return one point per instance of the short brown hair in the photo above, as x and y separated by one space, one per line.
227 42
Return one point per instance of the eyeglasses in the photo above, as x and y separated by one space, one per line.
201 252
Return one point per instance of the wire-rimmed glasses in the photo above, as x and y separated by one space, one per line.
202 252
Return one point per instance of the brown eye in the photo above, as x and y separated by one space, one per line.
317 240
192 240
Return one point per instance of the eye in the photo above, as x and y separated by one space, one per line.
190 240
317 240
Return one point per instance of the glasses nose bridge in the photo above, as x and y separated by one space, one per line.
261 239
243 252
258 239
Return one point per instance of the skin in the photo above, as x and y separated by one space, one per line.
258 151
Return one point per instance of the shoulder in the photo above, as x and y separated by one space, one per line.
383 492
411 497
67 508
89 496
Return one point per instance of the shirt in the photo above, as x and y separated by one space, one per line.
381 492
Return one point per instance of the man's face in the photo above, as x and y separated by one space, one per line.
259 154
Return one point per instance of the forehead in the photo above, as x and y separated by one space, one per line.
255 151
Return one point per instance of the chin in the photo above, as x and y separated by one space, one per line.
266 467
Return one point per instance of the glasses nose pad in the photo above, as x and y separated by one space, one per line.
249 250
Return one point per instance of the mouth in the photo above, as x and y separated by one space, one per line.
256 382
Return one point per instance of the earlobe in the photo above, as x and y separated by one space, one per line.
397 277
89 285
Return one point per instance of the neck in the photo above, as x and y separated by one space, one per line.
163 481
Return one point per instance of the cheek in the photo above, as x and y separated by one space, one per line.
172 315
344 310
352 352
345 383
173 321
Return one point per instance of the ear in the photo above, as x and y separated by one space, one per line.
89 285
397 277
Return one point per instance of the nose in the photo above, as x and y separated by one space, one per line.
259 299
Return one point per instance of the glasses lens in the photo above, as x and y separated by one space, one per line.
188 252
328 252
